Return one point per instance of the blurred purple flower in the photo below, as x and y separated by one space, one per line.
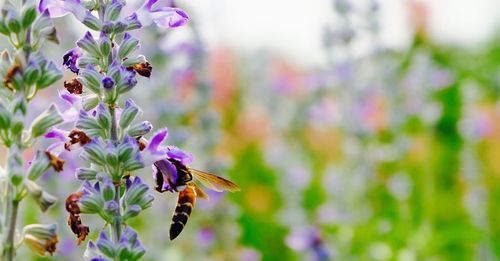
304 239
205 237
161 13
59 8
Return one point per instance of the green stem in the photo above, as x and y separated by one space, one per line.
116 227
9 247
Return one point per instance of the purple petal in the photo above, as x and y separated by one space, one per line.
169 17
58 8
168 170
157 139
180 155
57 134
73 100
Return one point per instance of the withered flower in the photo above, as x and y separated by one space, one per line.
143 69
74 220
56 162
76 137
73 86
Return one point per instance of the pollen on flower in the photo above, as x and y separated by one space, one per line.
76 137
73 86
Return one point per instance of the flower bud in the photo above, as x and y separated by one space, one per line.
113 11
19 104
132 22
46 201
146 201
50 75
123 249
86 60
33 189
140 129
105 245
133 164
48 119
104 44
95 152
91 79
5 117
89 44
42 231
129 44
129 113
13 21
41 238
127 81
112 156
89 102
38 166
3 27
135 192
85 174
137 252
108 189
31 72
43 27
103 116
111 208
140 59
17 123
88 124
126 148
132 211
91 204
92 22
28 15
107 83
119 27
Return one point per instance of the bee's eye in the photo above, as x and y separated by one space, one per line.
181 188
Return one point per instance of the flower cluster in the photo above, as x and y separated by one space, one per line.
107 133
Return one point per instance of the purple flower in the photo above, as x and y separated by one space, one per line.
165 175
59 8
161 13
107 83
69 59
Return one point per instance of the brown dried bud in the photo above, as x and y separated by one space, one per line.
74 220
77 137
73 86
55 161
7 80
141 143
143 69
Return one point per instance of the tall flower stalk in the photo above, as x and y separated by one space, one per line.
24 71
106 127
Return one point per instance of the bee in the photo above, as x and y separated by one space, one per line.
187 188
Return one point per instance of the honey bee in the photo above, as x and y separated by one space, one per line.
188 189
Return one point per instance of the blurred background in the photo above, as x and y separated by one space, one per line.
357 130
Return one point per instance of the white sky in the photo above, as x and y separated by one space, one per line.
293 27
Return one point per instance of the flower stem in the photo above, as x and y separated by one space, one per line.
114 130
9 247
116 227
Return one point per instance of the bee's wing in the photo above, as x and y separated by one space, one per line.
214 182
199 192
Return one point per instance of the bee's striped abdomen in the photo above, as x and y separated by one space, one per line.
185 204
